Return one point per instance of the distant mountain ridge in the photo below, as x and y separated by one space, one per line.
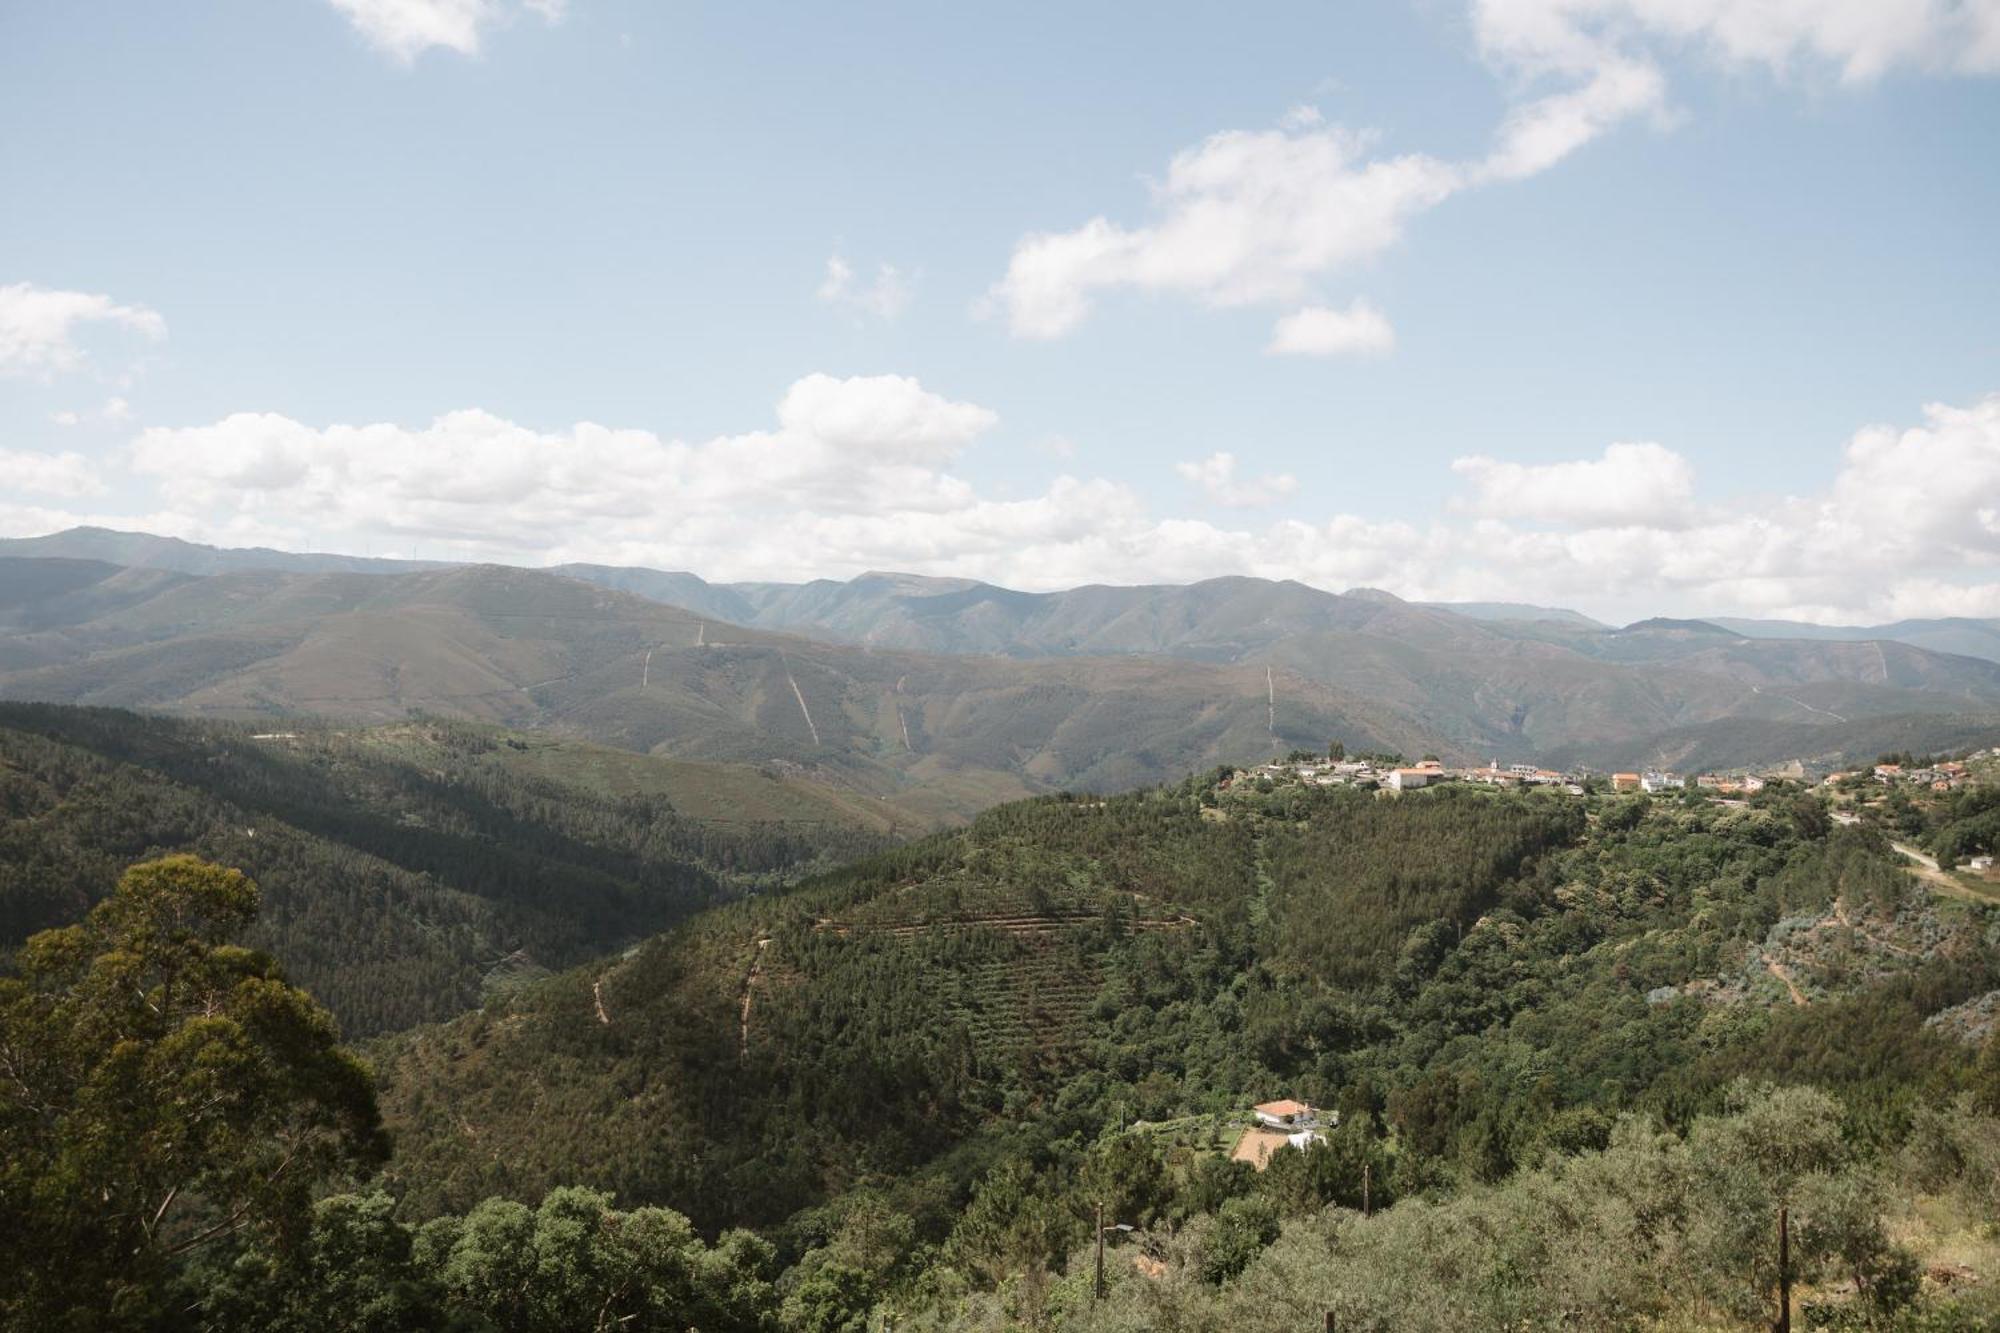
962 690
942 735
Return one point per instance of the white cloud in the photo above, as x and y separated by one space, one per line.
1359 330
886 297
1540 133
39 327
1860 39
861 473
115 411
1216 475
1246 217
405 29
1632 485
65 475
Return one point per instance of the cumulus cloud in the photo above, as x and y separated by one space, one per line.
863 473
39 327
1861 40
1632 485
1216 475
845 452
405 29
1245 217
1359 330
885 297
1263 216
66 475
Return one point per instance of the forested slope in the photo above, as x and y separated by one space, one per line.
404 869
1463 970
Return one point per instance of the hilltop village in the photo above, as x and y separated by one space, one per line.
1389 772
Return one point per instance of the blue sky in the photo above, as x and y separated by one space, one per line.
1636 305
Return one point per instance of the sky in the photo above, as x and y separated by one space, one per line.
1641 307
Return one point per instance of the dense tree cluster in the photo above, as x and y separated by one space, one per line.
396 888
1580 1051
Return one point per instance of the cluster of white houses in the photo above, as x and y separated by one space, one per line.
1334 773
1946 776
1340 772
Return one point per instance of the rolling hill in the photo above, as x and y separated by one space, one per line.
940 736
406 869
949 692
1461 965
1965 635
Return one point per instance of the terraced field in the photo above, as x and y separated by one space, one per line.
1019 968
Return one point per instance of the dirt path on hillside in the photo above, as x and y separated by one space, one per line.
1784 974
597 998
749 994
1926 869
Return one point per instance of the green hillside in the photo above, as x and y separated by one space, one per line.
406 869
1466 971
1570 1054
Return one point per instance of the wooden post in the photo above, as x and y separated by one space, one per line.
1784 1324
1367 1169
1097 1292
1329 1321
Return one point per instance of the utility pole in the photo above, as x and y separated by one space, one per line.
1366 1170
1329 1321
1098 1290
1784 1324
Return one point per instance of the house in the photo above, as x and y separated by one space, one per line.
1521 770
1980 862
1888 772
1287 1115
1753 783
1624 782
1408 779
1654 780
1279 1124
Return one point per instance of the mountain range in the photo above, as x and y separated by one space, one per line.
941 696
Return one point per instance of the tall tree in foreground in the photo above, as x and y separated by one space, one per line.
161 1090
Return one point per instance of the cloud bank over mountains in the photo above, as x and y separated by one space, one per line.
867 471
859 473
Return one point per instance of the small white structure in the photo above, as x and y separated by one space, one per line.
1409 779
1982 862
1287 1115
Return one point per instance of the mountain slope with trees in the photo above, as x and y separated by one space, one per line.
404 870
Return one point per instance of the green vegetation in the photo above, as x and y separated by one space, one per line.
166 1092
954 1033
407 869
1581 1051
